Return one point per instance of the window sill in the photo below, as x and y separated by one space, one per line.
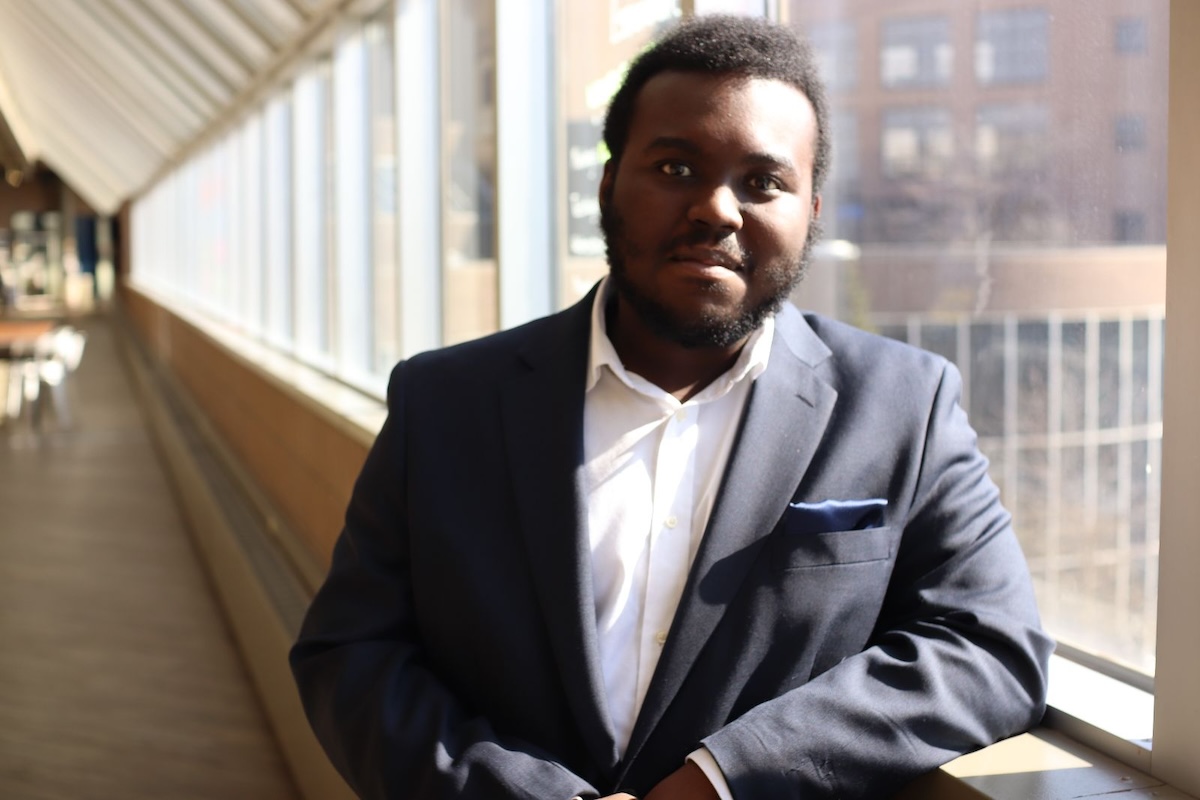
357 413
1044 764
1093 742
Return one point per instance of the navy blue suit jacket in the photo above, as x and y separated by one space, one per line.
859 610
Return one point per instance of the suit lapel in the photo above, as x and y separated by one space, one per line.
543 423
785 417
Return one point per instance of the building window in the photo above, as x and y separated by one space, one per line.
836 46
1011 138
1131 36
1129 227
917 142
916 52
1130 133
844 167
1011 46
842 201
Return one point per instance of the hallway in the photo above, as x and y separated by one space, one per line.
118 675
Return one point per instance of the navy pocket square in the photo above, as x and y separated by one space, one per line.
836 515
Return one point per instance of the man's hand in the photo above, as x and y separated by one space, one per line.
686 783
618 796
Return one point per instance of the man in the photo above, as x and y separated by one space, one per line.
678 541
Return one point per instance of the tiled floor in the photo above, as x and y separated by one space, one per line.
118 677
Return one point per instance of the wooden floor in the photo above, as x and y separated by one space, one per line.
118 677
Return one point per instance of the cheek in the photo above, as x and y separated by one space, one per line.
780 235
644 223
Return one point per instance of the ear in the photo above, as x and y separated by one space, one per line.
606 181
816 210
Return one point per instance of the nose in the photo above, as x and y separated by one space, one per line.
717 207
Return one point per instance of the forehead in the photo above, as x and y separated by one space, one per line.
724 111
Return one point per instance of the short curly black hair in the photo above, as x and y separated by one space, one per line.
720 44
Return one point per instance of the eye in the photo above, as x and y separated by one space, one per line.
765 183
675 169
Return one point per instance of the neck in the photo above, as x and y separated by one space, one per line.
681 371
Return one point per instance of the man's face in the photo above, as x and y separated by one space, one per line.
707 215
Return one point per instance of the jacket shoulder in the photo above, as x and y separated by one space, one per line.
560 338
852 348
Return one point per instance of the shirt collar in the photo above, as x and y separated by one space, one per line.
751 362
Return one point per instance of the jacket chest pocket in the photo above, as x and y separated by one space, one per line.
801 550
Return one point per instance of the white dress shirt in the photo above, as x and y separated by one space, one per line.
652 468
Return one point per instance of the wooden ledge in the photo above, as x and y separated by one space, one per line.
1041 765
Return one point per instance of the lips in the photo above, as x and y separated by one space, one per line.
708 258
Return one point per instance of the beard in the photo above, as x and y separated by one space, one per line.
708 329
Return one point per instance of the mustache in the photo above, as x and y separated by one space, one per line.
723 244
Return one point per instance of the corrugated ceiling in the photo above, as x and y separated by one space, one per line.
109 92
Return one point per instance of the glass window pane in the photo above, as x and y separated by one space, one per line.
250 255
1012 46
1011 212
232 207
310 146
916 52
381 41
278 213
469 279
598 41
351 236
836 45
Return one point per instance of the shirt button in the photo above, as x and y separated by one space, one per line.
681 415
661 637
671 522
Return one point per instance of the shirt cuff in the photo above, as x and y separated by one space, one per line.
708 765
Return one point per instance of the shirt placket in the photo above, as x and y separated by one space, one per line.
670 535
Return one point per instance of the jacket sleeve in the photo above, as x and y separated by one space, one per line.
957 659
389 725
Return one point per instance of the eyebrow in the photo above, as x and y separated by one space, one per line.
687 146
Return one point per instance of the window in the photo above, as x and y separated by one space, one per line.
1011 46
351 271
987 228
1011 138
836 46
844 166
277 256
469 279
591 70
385 271
1131 37
311 218
750 8
249 296
916 52
1130 132
1129 227
917 142
841 201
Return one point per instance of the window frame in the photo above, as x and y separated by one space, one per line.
1177 699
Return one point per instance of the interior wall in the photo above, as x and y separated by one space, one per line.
301 458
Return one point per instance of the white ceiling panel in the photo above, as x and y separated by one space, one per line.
109 93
